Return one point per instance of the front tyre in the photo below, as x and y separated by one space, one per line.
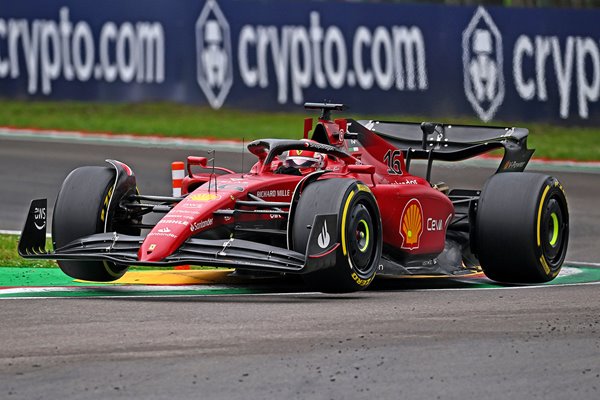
359 224
82 209
522 228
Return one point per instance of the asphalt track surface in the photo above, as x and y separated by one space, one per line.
391 342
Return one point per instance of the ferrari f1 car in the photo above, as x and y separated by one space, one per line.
353 214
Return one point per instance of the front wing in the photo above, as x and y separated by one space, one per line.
123 249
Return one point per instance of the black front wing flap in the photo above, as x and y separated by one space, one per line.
123 249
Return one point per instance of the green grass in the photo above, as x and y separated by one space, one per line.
171 119
10 258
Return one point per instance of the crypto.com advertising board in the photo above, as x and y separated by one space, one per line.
493 63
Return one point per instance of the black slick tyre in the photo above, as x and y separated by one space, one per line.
359 224
522 227
82 209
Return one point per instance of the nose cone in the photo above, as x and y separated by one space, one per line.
190 216
163 240
152 252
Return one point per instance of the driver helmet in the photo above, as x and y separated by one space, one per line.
304 160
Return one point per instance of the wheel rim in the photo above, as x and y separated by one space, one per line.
362 235
554 231
360 232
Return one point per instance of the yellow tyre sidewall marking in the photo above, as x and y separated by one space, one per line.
539 242
344 213
539 218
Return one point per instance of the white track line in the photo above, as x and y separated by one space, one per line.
120 140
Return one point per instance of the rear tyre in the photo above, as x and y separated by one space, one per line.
359 224
522 228
82 209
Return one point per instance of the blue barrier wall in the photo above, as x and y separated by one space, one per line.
494 63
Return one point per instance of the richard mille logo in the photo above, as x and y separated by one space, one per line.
323 238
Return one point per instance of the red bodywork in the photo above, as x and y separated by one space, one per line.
414 215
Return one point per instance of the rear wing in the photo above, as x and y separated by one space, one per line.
445 142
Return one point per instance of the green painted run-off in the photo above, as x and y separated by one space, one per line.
51 282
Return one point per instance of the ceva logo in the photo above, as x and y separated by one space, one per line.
214 63
482 65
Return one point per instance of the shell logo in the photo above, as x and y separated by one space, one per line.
205 197
411 226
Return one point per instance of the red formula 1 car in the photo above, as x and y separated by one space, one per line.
339 209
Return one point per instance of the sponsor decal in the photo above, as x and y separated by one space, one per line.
323 238
200 225
231 187
172 222
275 216
434 224
214 60
178 214
191 204
166 229
406 182
482 65
273 193
411 224
448 219
202 197
299 152
162 234
514 165
39 213
360 281
239 181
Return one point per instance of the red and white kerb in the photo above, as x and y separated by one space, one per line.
177 174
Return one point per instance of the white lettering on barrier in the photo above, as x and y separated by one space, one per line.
304 56
579 54
52 49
